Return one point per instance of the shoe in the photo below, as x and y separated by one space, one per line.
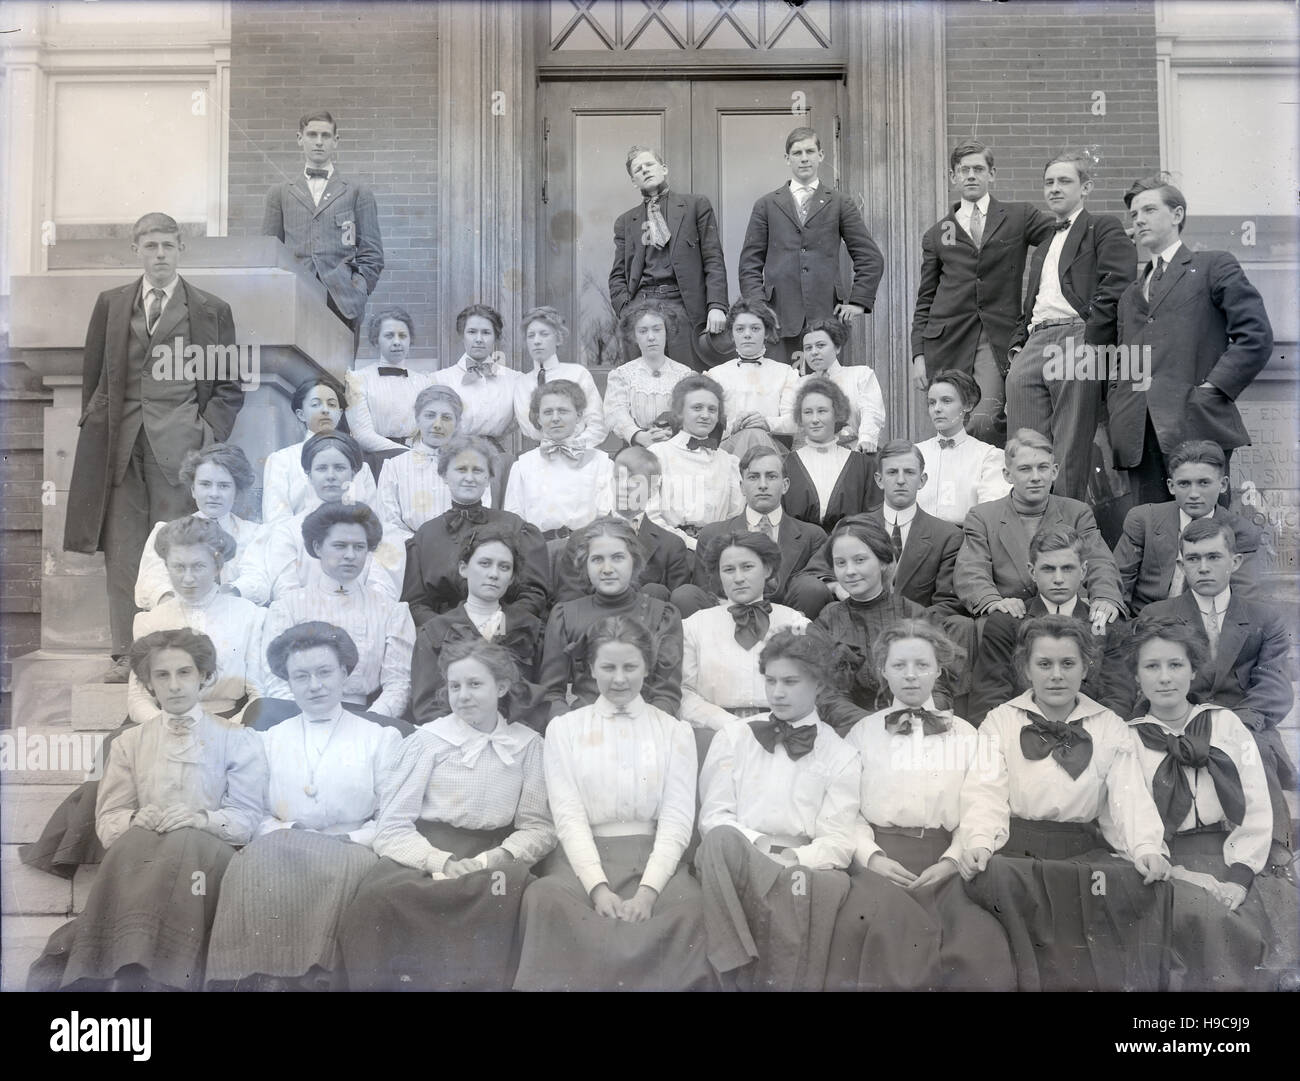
118 672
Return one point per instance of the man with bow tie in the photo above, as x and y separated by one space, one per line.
330 224
791 254
1202 335
137 427
1075 282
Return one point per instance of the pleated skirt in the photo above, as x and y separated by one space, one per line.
1078 917
405 931
566 946
282 901
888 938
152 905
769 926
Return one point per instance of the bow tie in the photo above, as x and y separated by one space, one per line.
756 361
947 444
461 515
550 450
484 369
1061 226
498 739
752 621
318 174
702 444
394 371
798 741
1069 744
1170 788
900 721
183 723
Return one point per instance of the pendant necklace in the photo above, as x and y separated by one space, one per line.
310 787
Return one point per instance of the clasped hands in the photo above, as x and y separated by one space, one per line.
166 819
898 874
636 909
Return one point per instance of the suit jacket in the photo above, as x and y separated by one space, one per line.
995 681
1148 548
338 241
1250 674
993 562
965 289
667 562
801 553
855 490
924 573
695 250
796 268
1097 264
1207 323
103 391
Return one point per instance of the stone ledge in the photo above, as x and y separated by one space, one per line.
25 808
24 938
29 892
98 707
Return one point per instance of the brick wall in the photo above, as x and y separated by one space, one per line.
374 66
1021 78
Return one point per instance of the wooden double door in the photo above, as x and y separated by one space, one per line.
721 139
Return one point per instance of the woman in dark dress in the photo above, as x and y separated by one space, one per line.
828 482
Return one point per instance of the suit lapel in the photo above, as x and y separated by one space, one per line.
1173 274
818 203
1073 242
997 215
915 551
176 310
961 234
674 215
298 186
1164 543
1013 537
1233 632
785 200
133 309
334 187
637 221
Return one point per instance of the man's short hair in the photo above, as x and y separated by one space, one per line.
634 151
898 448
1028 439
757 451
1082 161
320 114
964 383
154 222
1056 539
1159 183
1208 528
1198 452
799 135
970 146
639 462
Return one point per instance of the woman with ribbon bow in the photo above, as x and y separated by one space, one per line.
820 359
432 582
1079 879
464 820
1209 786
615 907
907 924
284 895
177 793
862 559
778 800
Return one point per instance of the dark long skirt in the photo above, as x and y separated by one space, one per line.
769 926
283 900
407 932
888 938
1218 950
567 946
1077 916
152 905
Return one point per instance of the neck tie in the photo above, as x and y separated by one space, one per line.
155 309
550 450
402 372
1179 581
541 376
1170 788
483 369
802 199
462 514
976 225
896 540
656 233
798 741
318 174
1211 621
900 721
1157 272
752 622
946 444
501 741
702 444
766 527
1061 226
1069 744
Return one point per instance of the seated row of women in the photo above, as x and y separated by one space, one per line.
1056 847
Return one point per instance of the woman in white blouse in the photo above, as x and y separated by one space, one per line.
382 395
961 470
907 924
620 775
463 822
1234 924
639 393
278 918
827 481
177 793
319 403
822 341
217 475
1058 794
544 332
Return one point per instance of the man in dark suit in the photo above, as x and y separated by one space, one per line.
1249 670
1057 566
330 224
1194 334
143 411
1147 553
667 562
791 254
668 247
802 581
968 300
1075 281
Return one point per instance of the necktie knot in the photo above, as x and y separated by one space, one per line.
463 514
947 444
901 721
1068 743
1061 226
482 369
656 233
317 174
752 622
154 310
797 741
551 450
766 527
1192 749
385 369
702 444
976 225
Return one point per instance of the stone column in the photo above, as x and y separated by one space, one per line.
896 101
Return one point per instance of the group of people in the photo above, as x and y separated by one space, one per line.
719 686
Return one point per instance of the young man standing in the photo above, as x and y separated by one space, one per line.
791 254
330 224
141 416
968 301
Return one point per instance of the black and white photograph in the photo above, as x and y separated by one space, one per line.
651 495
